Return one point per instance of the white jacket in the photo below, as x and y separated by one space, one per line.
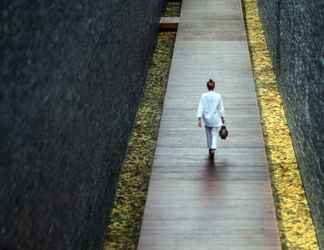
211 109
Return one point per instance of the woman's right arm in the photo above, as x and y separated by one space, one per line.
221 109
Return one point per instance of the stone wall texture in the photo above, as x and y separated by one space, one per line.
295 35
71 78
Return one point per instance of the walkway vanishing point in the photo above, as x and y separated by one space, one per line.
193 204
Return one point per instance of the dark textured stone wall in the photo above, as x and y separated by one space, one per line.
71 78
295 34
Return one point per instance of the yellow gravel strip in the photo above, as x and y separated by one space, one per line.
295 222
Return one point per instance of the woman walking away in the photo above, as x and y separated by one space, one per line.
211 111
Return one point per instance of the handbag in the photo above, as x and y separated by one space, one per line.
223 132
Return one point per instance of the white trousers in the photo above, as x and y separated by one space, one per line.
212 135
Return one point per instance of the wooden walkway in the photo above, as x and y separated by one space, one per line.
192 203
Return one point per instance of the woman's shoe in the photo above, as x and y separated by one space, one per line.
211 154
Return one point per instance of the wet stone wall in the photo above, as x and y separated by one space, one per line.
71 77
295 35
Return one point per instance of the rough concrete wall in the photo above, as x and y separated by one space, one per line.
71 78
298 54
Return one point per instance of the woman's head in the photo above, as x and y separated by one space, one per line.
210 84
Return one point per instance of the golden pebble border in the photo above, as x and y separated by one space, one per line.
296 227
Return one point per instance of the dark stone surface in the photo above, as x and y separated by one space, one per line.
295 38
71 78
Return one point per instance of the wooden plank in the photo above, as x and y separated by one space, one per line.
169 23
194 203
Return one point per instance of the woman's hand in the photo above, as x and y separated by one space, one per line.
199 123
